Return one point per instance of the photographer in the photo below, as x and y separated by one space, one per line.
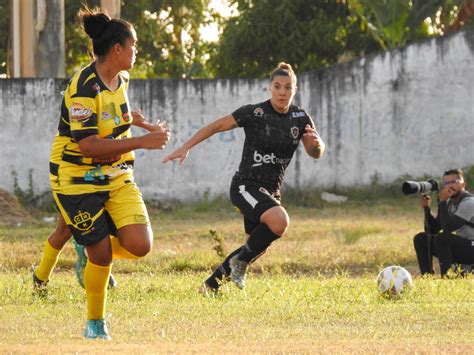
449 236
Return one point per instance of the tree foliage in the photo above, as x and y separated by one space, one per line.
393 23
169 43
309 34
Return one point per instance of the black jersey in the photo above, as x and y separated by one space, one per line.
271 139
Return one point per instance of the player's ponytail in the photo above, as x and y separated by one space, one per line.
283 69
104 31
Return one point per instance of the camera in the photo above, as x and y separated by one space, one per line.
424 187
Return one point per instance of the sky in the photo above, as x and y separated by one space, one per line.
210 33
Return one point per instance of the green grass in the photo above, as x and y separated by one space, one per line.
313 292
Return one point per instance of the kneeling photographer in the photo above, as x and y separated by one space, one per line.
450 235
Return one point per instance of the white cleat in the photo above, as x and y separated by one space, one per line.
238 268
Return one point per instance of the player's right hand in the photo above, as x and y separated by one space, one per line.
181 153
155 139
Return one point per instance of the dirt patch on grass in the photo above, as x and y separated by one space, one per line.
11 211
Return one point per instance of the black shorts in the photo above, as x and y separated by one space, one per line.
252 200
93 216
86 216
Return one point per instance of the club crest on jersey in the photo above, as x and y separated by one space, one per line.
126 117
79 113
82 221
258 112
294 132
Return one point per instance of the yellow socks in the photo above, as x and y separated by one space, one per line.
96 278
48 262
119 252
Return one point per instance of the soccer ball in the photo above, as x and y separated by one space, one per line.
394 281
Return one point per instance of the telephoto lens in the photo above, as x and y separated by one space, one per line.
424 187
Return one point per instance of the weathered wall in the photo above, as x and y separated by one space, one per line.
409 111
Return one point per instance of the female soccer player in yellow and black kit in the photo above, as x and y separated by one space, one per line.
92 162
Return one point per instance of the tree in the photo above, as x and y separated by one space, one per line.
309 34
464 16
393 23
3 36
169 43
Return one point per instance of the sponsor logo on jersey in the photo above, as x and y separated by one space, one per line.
267 130
94 174
117 120
298 114
106 116
79 113
126 117
82 221
261 159
258 112
294 132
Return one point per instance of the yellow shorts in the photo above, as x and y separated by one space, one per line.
93 216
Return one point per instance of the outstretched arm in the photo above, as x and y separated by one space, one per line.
220 125
313 143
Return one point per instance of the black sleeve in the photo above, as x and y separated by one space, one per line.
243 115
304 121
449 223
309 120
432 225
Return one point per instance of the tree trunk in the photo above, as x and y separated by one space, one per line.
464 15
50 56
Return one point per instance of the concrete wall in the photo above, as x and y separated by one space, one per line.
408 111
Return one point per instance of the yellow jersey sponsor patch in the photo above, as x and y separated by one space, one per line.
79 112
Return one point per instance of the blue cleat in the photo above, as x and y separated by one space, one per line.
81 265
80 262
96 329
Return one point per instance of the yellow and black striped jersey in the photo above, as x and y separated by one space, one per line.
90 108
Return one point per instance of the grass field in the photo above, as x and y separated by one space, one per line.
314 292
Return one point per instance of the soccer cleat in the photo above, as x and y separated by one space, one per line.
39 286
96 329
80 262
81 265
208 291
238 268
112 282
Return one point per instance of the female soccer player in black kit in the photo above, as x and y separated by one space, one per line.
273 130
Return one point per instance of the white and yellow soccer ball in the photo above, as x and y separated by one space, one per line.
394 281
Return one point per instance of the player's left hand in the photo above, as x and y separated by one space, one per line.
140 121
313 135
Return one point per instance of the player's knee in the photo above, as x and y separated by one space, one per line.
101 259
279 225
141 249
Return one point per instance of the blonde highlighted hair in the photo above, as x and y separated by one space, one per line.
283 69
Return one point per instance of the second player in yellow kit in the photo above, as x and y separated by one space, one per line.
91 165
90 109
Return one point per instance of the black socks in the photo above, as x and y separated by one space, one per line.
258 242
